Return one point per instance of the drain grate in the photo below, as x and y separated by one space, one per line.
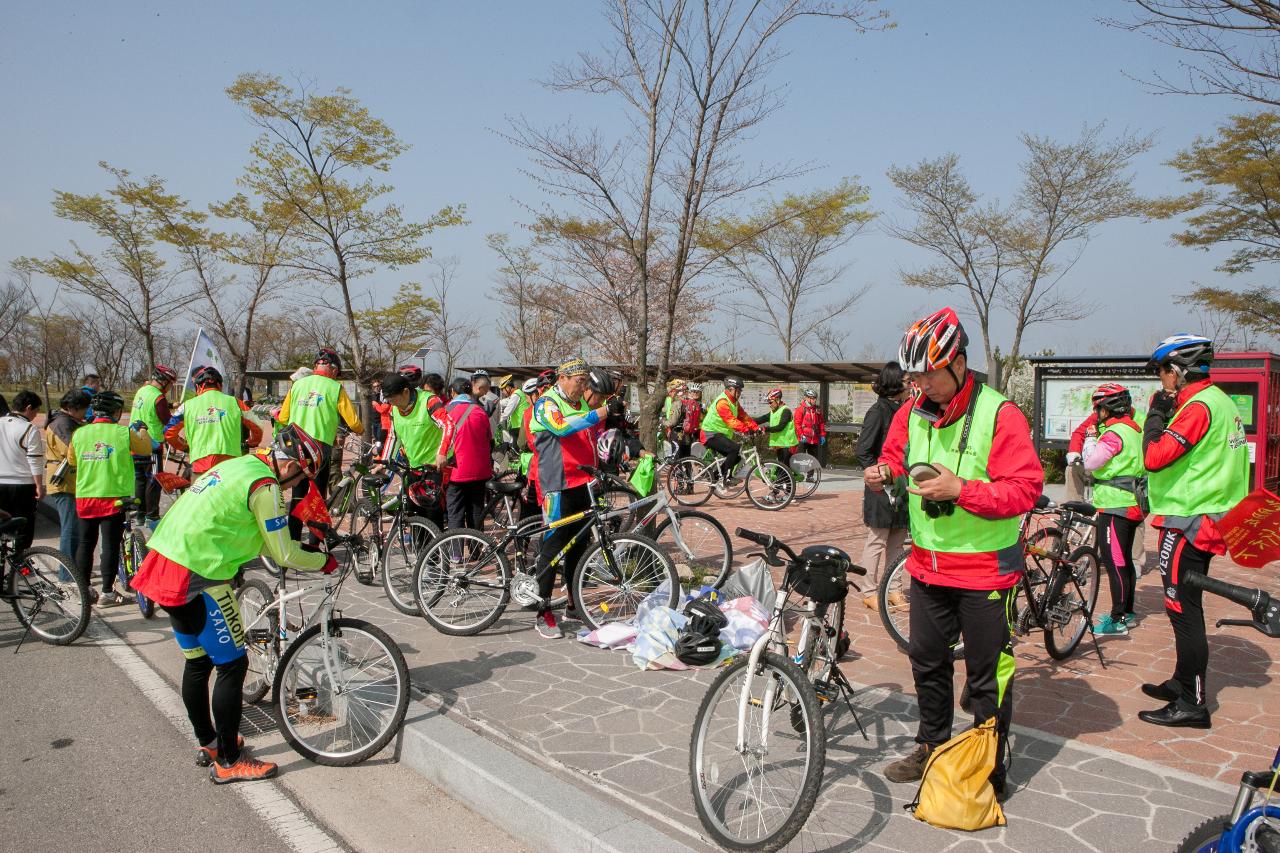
257 720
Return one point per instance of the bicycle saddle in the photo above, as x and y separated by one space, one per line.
1082 507
376 480
1043 502
505 487
12 525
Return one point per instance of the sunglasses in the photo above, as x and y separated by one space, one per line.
938 509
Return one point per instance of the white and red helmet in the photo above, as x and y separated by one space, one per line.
933 342
1113 398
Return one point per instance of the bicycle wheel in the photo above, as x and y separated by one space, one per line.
757 795
770 486
262 638
703 551
409 537
726 489
610 584
689 483
462 583
807 471
137 546
341 697
1070 602
56 611
616 494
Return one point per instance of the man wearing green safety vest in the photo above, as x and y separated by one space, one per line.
1197 456
314 403
724 420
512 407
151 410
421 429
216 424
962 454
230 515
780 427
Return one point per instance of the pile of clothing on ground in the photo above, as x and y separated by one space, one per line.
706 628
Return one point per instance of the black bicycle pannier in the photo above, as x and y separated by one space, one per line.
821 575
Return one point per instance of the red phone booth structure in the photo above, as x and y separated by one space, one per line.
1251 379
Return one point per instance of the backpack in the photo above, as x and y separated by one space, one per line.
955 791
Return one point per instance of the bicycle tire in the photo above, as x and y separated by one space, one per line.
715 764
41 587
409 535
138 551
770 486
1061 648
896 619
808 477
615 494
445 577
1204 834
687 483
643 568
304 692
263 654
717 557
719 487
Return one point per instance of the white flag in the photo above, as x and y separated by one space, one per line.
204 354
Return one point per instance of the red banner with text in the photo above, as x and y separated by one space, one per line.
1252 529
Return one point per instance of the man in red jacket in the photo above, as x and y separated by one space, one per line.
471 463
973 470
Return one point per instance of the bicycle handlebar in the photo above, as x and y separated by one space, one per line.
770 543
1266 613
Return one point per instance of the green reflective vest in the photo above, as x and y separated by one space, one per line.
1125 464
213 422
516 419
418 432
144 409
961 532
785 437
104 468
1214 475
313 405
713 423
210 529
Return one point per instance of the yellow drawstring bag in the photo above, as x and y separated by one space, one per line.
955 791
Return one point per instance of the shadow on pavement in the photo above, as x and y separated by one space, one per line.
444 680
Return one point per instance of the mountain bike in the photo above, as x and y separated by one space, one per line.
1247 827
133 549
340 685
692 481
1057 591
406 533
758 746
55 610
464 579
697 543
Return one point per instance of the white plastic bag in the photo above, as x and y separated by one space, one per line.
613 635
754 579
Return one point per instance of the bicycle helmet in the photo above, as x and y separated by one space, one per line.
705 609
108 403
164 374
329 356
933 342
774 394
207 376
610 449
599 381
411 372
1113 398
427 491
293 443
734 382
1185 352
695 387
546 379
530 386
811 394
696 649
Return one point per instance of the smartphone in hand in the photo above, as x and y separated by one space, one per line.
922 472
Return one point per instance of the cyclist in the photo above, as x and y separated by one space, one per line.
22 463
781 427
692 424
1195 451
725 418
425 433
966 556
470 457
511 409
811 426
218 428
314 404
563 439
1114 457
229 516
62 488
100 453
151 409
529 458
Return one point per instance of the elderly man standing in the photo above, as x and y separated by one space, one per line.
471 463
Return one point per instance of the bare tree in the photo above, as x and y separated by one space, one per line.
532 326
453 333
1232 45
1012 258
692 80
110 344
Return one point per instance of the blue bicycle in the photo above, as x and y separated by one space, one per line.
1248 827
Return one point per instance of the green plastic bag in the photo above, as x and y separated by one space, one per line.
642 477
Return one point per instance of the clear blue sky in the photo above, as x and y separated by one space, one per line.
141 86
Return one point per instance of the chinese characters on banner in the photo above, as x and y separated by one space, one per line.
1252 529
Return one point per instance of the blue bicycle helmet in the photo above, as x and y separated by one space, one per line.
1184 350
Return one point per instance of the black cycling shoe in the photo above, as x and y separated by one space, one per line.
1178 714
1166 692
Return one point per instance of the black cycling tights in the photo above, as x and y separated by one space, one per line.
191 620
727 448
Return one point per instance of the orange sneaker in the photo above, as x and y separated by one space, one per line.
206 755
245 770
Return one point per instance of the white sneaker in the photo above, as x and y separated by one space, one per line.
110 599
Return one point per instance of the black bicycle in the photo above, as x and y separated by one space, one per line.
48 595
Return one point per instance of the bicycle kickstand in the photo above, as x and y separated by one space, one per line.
1088 615
846 690
35 611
